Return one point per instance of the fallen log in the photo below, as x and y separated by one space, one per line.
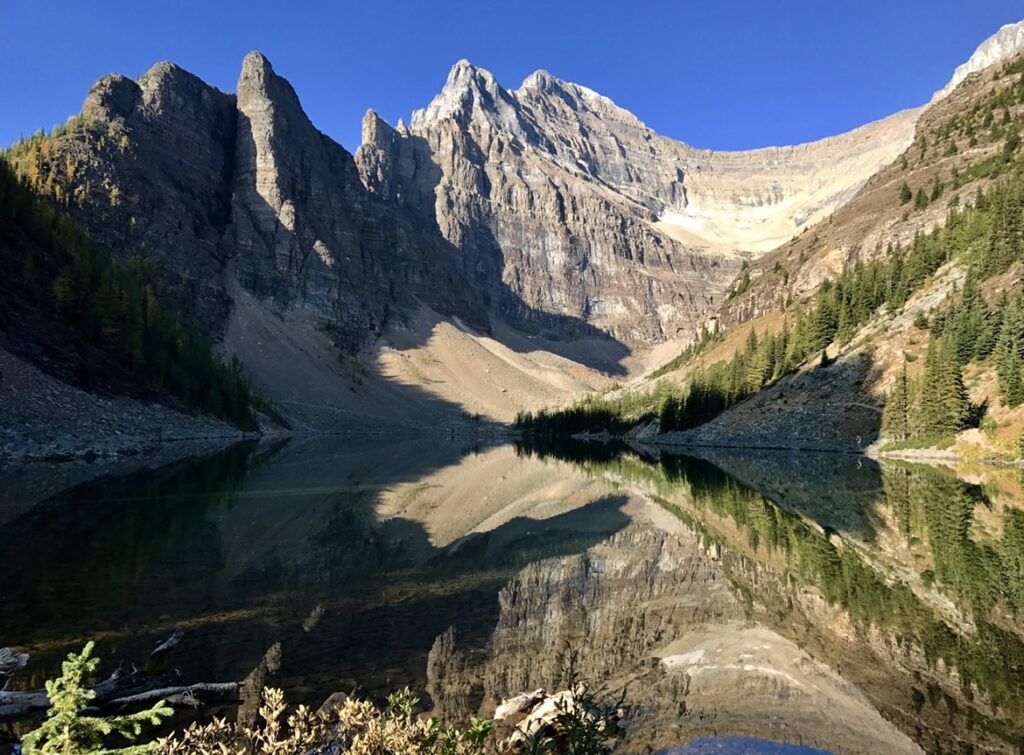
122 691
193 695
126 687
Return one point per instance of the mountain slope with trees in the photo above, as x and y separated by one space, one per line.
939 281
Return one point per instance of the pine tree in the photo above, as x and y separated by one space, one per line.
905 193
896 417
1009 351
945 406
67 732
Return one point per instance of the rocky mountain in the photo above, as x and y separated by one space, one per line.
545 218
215 187
564 204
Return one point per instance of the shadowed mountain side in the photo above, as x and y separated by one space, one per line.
424 370
242 554
426 373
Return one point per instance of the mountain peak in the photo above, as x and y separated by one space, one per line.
1005 43
376 131
256 63
539 79
542 85
469 90
259 82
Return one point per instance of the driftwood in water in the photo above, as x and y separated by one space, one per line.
193 695
125 688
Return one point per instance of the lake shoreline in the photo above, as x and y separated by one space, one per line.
663 444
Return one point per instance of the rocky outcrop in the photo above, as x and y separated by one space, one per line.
298 211
148 169
1005 43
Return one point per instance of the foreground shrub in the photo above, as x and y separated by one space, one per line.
355 727
67 731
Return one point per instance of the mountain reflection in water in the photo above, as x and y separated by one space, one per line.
755 595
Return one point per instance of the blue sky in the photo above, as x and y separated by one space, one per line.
720 75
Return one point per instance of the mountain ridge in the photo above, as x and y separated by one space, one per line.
546 213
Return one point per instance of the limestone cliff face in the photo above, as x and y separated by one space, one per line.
562 203
304 232
1004 44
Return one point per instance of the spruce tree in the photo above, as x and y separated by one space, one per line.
66 730
945 406
1009 350
896 417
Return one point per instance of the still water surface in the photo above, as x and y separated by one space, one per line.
786 597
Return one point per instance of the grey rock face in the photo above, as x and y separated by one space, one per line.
564 205
308 235
296 226
210 185
153 167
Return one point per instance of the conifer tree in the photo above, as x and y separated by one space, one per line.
1009 350
896 417
945 407
66 731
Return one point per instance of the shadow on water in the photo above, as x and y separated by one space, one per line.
926 567
247 548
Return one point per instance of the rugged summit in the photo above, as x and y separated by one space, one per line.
1005 43
307 234
150 174
216 187
563 203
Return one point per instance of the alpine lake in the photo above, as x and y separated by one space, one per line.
828 600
